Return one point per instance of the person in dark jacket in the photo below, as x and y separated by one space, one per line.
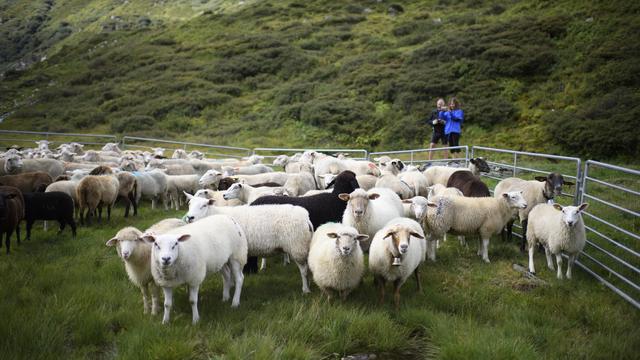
437 122
453 126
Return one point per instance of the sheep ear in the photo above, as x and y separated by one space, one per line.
344 197
149 238
473 161
431 204
189 196
390 233
416 235
407 201
332 235
211 202
112 242
557 207
505 195
373 196
541 178
568 183
184 237
583 207
362 237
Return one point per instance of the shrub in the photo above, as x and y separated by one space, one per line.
132 123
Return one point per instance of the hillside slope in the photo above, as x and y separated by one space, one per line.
538 75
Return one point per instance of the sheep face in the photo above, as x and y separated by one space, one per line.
571 214
111 147
281 160
125 245
480 164
204 193
198 207
92 156
12 164
255 159
515 199
210 177
195 154
233 192
158 151
419 206
43 145
128 166
179 154
166 248
358 201
399 239
346 242
553 184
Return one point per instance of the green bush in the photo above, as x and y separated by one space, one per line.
133 123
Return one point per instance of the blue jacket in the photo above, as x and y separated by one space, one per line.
454 120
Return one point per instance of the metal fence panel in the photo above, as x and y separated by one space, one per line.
28 138
421 156
612 253
272 153
211 151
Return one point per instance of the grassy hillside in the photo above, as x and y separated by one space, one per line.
547 76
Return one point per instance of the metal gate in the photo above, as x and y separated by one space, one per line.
133 142
272 153
421 156
28 138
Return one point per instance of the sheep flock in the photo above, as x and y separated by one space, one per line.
336 218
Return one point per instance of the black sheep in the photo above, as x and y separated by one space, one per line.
469 184
322 208
11 213
53 205
225 183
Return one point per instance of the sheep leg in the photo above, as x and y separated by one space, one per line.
155 298
263 264
462 240
168 302
485 250
45 226
145 298
286 259
344 294
236 271
524 234
153 203
108 212
17 235
193 300
132 199
396 293
62 226
479 252
380 282
572 259
549 259
226 282
100 214
7 241
432 249
29 225
72 223
416 274
559 261
532 268
304 269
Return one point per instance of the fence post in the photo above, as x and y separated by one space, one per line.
515 163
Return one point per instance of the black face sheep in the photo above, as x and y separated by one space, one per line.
11 213
322 208
541 190
28 182
49 206
469 184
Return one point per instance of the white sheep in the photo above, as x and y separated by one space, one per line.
335 258
247 170
559 229
483 216
186 254
389 180
273 177
300 182
416 181
179 154
177 184
395 253
247 193
369 211
218 197
270 229
441 190
152 185
136 255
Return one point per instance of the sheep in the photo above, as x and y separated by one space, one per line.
218 197
195 154
394 255
187 253
136 255
440 174
127 187
269 229
248 194
439 189
11 213
111 147
301 182
180 167
335 259
179 154
469 216
369 211
247 170
558 228
49 206
176 184
390 181
287 163
15 165
365 182
541 190
323 164
416 182
152 185
28 182
469 184
95 191
43 145
213 177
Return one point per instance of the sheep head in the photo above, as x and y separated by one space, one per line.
571 214
166 247
126 242
515 199
358 200
198 207
553 184
347 241
399 238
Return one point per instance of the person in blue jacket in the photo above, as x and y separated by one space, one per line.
437 122
453 126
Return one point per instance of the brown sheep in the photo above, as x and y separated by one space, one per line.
127 189
95 191
28 182
469 184
11 213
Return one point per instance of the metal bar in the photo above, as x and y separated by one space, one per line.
637 237
362 151
611 271
622 246
186 143
613 167
609 285
618 187
54 133
614 257
631 212
417 150
558 157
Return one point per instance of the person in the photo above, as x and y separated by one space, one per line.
453 125
437 122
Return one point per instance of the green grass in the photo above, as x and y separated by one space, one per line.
65 298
